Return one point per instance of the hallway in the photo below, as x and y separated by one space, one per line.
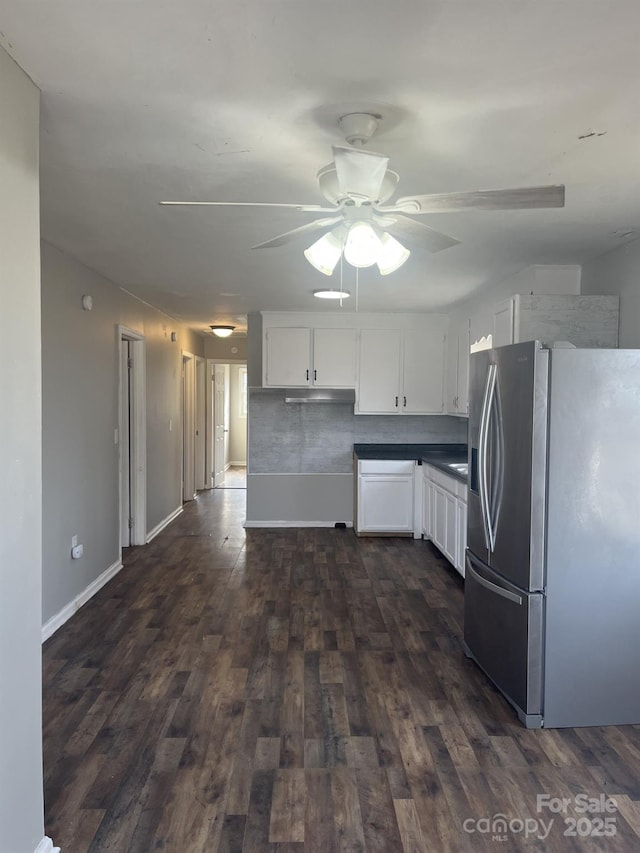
296 690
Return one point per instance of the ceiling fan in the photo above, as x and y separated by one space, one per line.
361 225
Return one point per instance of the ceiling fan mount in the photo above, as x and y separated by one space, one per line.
358 128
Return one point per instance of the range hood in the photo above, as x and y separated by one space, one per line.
321 395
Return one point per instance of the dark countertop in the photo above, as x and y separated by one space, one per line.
431 454
439 462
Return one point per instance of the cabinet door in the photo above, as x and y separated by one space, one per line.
451 529
287 357
503 324
439 509
423 373
385 503
334 358
461 531
463 371
379 371
427 488
451 395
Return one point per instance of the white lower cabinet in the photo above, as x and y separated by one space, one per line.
384 500
445 514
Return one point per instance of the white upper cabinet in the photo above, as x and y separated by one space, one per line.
503 324
423 372
401 371
334 358
395 362
379 371
287 357
457 395
584 321
298 357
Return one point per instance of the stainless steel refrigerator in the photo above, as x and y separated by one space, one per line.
552 584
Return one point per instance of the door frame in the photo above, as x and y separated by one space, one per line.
224 366
200 379
188 426
138 435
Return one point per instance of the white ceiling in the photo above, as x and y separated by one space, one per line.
145 100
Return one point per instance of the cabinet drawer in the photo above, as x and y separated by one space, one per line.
386 466
446 481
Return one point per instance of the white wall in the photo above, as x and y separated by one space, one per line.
226 349
80 371
21 803
237 424
618 273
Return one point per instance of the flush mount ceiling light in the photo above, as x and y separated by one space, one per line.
332 294
222 331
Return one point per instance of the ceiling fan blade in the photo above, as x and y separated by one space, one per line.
516 199
311 227
360 173
312 208
420 236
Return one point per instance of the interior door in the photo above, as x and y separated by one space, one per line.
219 417
124 443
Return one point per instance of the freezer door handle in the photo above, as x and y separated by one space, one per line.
483 449
493 587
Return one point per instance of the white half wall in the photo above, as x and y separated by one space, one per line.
299 500
21 801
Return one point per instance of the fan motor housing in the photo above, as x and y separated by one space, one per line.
328 183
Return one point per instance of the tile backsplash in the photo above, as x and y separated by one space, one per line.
318 438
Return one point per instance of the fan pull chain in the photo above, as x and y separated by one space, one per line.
357 289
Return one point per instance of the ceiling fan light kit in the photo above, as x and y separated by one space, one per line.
325 253
392 254
222 331
362 246
358 183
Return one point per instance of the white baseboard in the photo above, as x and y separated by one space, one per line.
51 625
242 464
46 846
293 523
164 523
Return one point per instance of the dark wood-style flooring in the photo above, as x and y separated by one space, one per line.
302 690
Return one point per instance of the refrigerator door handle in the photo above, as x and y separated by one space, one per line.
494 498
483 451
492 587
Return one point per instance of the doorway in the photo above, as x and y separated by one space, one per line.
131 438
227 423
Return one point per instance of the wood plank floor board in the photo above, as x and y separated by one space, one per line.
298 691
